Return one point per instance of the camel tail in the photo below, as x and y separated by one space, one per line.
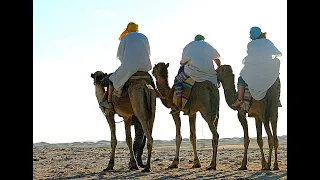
153 104
151 101
215 99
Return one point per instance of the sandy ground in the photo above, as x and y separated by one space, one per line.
86 161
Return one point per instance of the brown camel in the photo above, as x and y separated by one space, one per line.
267 112
140 101
204 98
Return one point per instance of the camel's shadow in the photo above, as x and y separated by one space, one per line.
122 174
101 175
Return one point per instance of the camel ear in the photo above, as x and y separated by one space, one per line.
167 65
92 75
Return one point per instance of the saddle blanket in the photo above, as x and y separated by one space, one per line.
186 90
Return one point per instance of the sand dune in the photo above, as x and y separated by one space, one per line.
85 160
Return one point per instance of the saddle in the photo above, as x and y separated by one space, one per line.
186 90
252 106
136 76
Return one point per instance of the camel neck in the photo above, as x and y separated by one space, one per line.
163 85
99 91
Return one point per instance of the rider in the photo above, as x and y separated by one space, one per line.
197 63
261 67
134 55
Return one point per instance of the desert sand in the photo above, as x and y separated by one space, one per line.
86 160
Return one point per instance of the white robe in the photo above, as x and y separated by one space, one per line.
134 54
261 67
200 67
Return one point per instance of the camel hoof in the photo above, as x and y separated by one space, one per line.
172 166
243 168
146 170
276 168
211 168
107 169
196 166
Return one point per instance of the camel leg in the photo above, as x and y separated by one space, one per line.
146 126
212 123
177 121
244 123
139 141
146 129
193 139
270 142
112 126
127 125
274 120
145 117
260 141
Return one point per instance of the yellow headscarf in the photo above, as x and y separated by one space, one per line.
131 27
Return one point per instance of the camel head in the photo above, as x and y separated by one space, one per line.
225 74
98 76
160 69
226 77
224 70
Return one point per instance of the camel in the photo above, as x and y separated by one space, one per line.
267 113
205 99
139 139
139 100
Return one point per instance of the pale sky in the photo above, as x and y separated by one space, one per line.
74 38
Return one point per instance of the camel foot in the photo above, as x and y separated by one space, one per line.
172 166
211 168
174 163
243 168
110 166
107 169
196 165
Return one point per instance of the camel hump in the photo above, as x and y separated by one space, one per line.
138 77
141 75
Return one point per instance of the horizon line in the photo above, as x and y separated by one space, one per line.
95 141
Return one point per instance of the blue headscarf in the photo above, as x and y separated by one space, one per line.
255 32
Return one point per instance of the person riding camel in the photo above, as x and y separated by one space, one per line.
197 63
261 67
134 55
